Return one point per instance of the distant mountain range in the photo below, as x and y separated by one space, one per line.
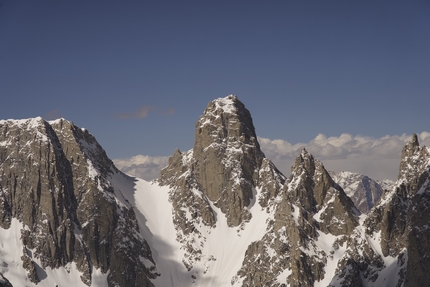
363 190
220 214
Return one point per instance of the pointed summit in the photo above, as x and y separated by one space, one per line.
411 147
401 217
227 156
363 190
414 140
311 207
304 162
222 179
311 186
226 163
224 119
413 162
57 182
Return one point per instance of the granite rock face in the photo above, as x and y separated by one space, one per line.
227 157
311 207
404 228
399 226
223 169
75 207
54 179
317 237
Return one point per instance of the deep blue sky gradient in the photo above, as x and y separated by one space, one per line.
300 67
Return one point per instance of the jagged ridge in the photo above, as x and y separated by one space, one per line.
363 190
55 182
224 170
219 201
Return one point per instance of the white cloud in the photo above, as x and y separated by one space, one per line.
378 158
142 166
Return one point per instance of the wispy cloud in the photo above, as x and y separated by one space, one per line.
52 115
170 111
141 113
144 112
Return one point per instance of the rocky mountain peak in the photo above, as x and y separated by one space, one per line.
363 190
311 208
224 120
55 181
411 147
227 156
226 159
312 187
413 165
401 217
221 178
304 162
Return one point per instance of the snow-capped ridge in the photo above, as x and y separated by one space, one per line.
364 191
227 104
220 214
62 193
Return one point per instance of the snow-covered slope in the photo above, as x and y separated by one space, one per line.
220 214
11 254
220 255
221 193
58 206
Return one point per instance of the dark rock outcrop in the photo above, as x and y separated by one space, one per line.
57 181
224 168
400 222
311 205
4 282
226 162
407 214
54 178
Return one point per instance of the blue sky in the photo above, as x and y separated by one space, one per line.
138 74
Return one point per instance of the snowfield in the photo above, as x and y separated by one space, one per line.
225 246
223 251
11 251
